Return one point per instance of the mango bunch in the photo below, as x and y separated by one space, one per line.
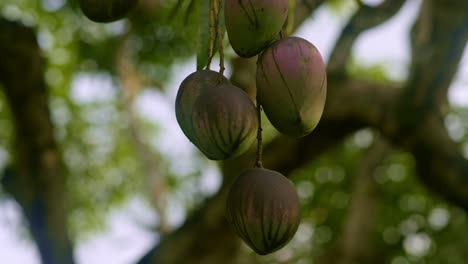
262 205
222 122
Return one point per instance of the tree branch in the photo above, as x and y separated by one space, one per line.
365 18
438 39
439 161
304 9
131 84
354 244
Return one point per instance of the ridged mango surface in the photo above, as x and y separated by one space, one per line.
189 90
291 85
252 25
263 207
224 122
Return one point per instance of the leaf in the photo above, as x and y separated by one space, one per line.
290 21
175 10
192 7
203 34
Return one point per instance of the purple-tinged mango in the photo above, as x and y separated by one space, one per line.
189 91
263 207
253 24
291 85
104 11
224 122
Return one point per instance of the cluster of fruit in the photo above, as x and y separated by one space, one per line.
221 120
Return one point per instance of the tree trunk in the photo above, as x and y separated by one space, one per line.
354 245
37 178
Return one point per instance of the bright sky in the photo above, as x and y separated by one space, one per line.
125 240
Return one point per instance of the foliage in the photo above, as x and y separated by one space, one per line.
86 103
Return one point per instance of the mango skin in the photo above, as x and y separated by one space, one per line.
105 11
253 24
224 122
291 85
263 207
189 91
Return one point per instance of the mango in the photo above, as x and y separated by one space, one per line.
189 91
263 207
224 122
252 25
291 84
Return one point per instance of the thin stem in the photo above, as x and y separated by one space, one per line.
258 162
212 35
220 37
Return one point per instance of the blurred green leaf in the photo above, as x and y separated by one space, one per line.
203 34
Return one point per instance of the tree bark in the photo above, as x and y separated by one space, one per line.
36 180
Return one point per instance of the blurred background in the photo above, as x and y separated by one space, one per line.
95 166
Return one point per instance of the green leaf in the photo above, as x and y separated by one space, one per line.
203 34
290 21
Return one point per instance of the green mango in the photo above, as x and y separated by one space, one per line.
252 25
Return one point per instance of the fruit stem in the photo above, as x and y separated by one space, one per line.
212 35
258 162
217 10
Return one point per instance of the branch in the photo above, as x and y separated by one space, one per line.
131 85
440 163
365 18
304 9
373 104
285 154
205 237
438 39
37 179
354 244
